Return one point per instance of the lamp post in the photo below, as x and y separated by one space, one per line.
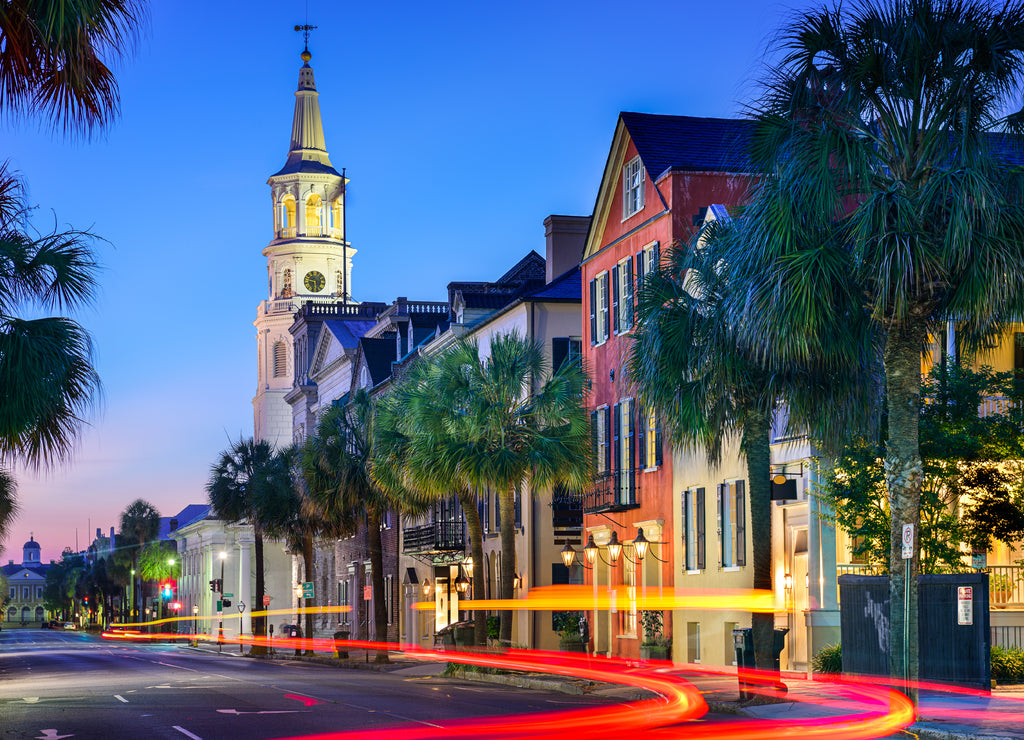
241 608
195 625
131 601
220 610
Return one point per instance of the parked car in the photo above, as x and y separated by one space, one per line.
69 625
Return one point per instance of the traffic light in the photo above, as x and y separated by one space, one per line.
213 585
166 590
217 586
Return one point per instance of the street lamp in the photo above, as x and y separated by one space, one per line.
131 607
614 548
195 625
591 550
241 608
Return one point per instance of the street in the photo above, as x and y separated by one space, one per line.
56 684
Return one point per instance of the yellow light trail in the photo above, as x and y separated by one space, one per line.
581 598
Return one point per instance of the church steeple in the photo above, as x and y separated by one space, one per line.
309 258
308 150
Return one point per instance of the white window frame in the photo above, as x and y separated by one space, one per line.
626 295
602 439
603 309
633 178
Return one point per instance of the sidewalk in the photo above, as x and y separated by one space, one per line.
999 716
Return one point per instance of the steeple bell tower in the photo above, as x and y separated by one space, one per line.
308 258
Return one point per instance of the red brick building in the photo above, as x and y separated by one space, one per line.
662 175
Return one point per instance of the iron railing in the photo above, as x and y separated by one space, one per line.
435 537
612 491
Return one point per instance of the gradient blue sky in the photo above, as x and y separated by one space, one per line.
462 125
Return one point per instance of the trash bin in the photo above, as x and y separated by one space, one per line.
445 636
463 634
743 642
340 635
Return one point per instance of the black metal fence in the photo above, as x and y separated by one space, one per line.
950 650
436 536
613 491
1008 636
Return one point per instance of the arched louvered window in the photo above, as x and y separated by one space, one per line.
280 359
340 279
314 216
286 284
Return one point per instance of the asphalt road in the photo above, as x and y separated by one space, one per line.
56 684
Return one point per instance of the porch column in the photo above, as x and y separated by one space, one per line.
243 593
822 618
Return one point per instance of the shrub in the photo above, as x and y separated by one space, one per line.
828 660
1007 664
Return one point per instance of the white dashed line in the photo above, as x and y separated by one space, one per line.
120 698
186 733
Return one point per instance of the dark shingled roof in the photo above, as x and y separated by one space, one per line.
566 287
378 354
306 165
686 143
347 332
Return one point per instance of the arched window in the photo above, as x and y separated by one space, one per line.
286 284
287 216
280 359
340 289
314 216
336 216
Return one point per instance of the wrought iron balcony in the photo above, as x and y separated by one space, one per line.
612 491
437 536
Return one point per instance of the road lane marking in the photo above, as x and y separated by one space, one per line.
263 711
120 698
186 733
171 665
51 734
32 700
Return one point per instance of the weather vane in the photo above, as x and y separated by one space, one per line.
305 28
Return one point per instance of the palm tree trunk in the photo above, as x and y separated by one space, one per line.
903 479
506 503
757 450
307 565
380 612
259 624
476 548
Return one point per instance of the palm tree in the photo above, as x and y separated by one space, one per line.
889 206
509 429
687 362
341 490
8 503
229 488
280 503
56 58
415 455
140 523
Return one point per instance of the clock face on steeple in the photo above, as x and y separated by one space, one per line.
314 282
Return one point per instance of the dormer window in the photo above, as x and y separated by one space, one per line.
632 187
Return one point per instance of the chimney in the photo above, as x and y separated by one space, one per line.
565 237
174 525
99 533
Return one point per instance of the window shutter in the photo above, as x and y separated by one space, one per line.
741 523
593 312
633 436
606 324
657 438
641 418
607 447
686 528
593 433
517 501
639 268
720 500
655 257
616 455
559 351
700 529
628 297
615 299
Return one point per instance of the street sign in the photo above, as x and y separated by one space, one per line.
228 596
965 605
367 593
220 606
908 541
307 590
266 600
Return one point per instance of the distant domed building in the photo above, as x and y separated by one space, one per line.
25 584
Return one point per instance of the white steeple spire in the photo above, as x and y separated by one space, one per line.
308 150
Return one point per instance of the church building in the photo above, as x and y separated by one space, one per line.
308 258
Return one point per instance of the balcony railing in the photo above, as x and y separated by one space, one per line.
860 569
614 491
1006 586
435 537
312 231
